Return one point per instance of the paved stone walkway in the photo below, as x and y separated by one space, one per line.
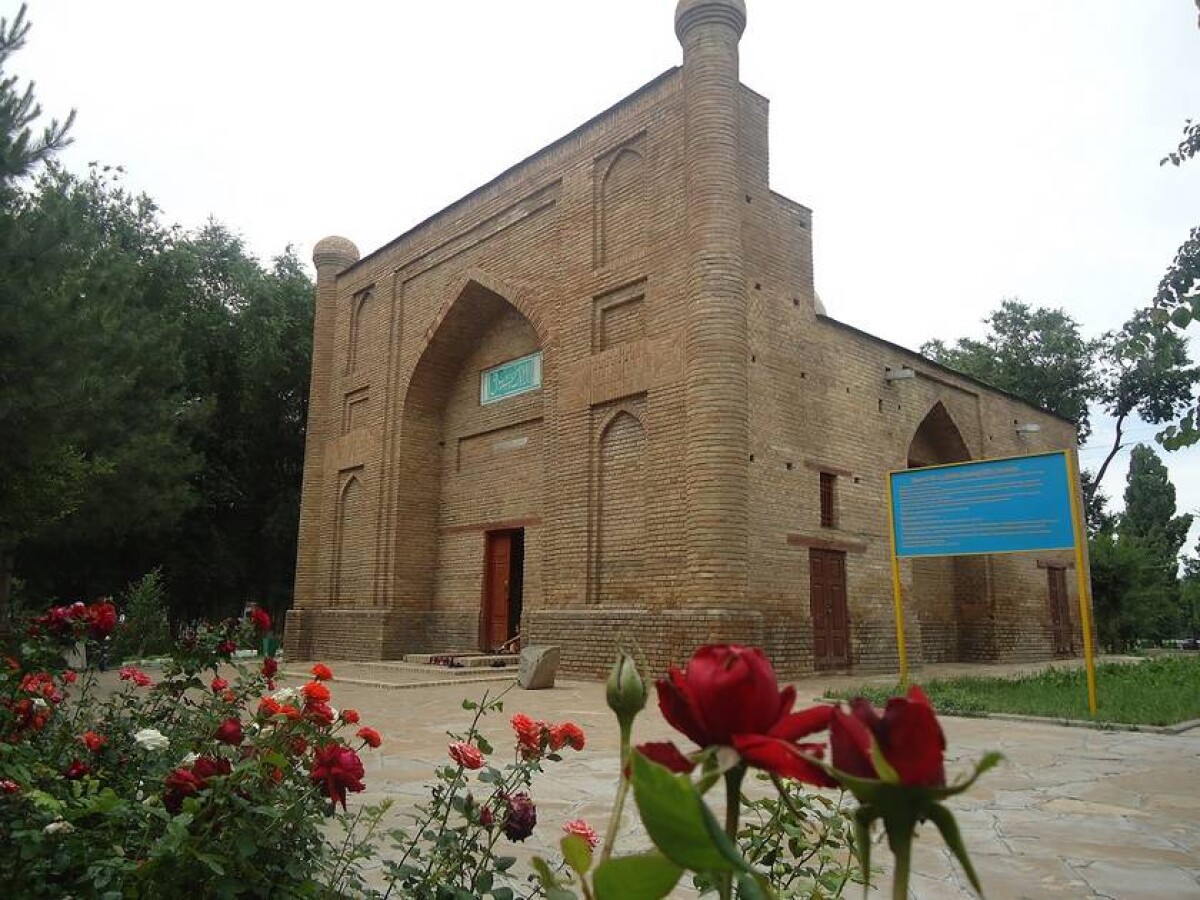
1072 812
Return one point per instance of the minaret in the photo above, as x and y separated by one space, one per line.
716 344
331 256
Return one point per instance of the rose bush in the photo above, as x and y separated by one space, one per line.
211 782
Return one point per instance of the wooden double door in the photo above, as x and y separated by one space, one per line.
827 601
503 584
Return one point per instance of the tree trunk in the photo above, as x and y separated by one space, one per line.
1116 447
6 568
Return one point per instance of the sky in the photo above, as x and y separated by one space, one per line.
955 152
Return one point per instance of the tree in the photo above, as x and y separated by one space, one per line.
1119 569
1149 526
1144 370
1038 354
20 150
1176 303
44 492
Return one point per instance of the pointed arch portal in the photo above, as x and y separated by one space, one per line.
470 473
952 595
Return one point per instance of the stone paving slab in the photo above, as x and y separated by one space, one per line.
1070 812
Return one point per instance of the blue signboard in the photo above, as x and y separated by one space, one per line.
509 379
995 506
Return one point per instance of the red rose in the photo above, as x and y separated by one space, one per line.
466 755
76 770
261 620
268 706
230 732
583 830
180 783
68 676
350 716
270 666
521 817
530 734
728 696
8 786
322 672
315 692
907 734
666 754
226 648
101 618
219 685
338 769
370 735
136 675
94 742
566 734
319 713
206 767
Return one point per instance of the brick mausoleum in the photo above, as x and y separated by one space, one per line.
598 400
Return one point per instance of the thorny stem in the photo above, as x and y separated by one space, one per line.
614 823
733 807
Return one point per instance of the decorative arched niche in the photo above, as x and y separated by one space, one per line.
952 595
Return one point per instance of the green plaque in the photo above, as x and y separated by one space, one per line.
517 376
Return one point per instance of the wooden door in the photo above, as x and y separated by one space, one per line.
1060 616
497 575
827 601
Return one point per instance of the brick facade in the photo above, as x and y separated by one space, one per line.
665 479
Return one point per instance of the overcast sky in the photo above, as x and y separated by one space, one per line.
954 152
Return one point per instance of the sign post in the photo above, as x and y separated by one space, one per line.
1014 505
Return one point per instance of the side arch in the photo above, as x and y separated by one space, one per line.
952 595
621 200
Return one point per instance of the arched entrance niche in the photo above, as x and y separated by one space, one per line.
952 594
469 471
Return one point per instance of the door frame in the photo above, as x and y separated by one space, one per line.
514 535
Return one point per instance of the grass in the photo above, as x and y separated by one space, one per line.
1161 691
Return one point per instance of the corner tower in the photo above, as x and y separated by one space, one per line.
716 336
331 256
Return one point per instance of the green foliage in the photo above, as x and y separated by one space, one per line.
1036 353
1176 303
455 846
1149 526
102 793
804 841
1118 568
1164 690
144 632
20 149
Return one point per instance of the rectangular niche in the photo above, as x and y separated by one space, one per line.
618 316
354 410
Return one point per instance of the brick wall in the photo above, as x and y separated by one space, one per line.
667 472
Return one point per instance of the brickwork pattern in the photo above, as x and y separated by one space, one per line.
666 473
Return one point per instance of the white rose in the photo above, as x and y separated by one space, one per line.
59 826
284 695
151 739
189 759
39 703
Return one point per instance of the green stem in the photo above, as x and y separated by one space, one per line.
902 852
614 823
733 808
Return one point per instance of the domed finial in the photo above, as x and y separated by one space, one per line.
690 13
335 251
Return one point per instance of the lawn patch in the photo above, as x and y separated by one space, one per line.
1160 691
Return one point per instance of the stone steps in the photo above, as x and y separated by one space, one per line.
454 661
